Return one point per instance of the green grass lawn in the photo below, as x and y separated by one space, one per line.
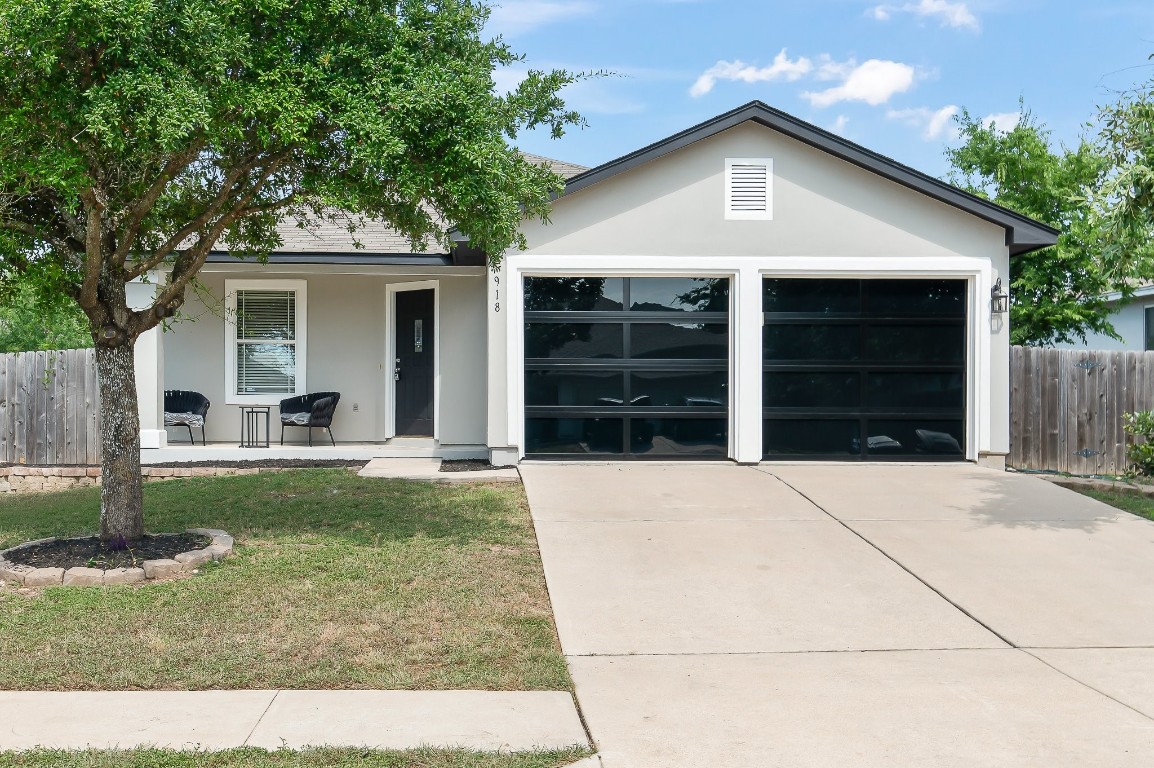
337 582
1134 503
316 758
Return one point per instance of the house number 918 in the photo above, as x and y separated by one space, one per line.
497 293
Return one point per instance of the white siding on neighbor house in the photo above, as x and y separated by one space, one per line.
829 218
346 354
1130 323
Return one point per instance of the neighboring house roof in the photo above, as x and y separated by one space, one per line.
560 167
330 242
1142 290
1023 234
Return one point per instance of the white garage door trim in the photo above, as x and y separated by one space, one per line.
746 274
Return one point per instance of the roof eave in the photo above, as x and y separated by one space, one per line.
383 259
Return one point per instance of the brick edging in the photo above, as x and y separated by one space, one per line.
20 479
220 547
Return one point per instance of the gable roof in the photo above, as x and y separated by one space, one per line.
329 241
1023 234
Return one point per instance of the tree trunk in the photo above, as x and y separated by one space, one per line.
121 502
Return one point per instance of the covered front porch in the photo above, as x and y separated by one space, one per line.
251 336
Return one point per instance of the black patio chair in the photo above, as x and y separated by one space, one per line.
184 408
314 410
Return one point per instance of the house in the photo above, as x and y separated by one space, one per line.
753 288
1134 322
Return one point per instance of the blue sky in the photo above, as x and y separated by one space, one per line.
888 75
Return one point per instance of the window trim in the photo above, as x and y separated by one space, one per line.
730 213
1147 327
231 287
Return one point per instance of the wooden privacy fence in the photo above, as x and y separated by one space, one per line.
1067 406
49 403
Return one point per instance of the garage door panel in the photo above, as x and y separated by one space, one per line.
805 341
864 368
639 370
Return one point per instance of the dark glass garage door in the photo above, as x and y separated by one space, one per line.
864 369
626 367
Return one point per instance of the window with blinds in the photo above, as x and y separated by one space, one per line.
749 188
266 340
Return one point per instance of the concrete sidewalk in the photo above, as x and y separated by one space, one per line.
807 616
217 720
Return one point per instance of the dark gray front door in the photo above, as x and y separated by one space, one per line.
414 363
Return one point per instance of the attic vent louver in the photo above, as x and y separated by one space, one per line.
749 188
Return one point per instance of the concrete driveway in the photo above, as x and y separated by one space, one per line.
863 615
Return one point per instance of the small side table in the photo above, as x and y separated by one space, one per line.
250 435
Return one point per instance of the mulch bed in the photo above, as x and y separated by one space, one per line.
261 463
468 465
91 552
247 464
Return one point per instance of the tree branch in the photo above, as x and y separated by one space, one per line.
93 258
172 296
131 229
192 227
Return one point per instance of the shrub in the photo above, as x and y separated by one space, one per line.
1141 452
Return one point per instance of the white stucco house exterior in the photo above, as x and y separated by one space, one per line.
753 288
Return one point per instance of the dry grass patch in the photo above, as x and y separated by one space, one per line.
337 582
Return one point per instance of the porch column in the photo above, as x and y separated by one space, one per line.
149 371
499 298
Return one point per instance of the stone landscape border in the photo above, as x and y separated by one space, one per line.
219 548
21 479
1097 484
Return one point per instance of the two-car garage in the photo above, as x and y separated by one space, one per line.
640 367
755 288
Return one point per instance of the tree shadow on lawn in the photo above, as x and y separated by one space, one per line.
322 503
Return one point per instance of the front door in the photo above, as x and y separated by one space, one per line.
413 367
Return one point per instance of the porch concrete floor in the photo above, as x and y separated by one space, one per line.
413 448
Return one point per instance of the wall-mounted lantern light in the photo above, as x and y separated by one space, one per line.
999 299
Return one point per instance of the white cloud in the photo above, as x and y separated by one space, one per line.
516 17
939 121
828 69
875 82
933 123
839 124
949 14
783 68
506 79
1002 121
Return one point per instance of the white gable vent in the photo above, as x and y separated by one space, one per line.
748 188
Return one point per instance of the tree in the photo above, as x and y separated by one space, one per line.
30 321
137 134
1127 141
1058 293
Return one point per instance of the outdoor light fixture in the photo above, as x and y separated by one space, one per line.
999 299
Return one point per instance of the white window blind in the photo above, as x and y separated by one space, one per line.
749 188
265 342
266 336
